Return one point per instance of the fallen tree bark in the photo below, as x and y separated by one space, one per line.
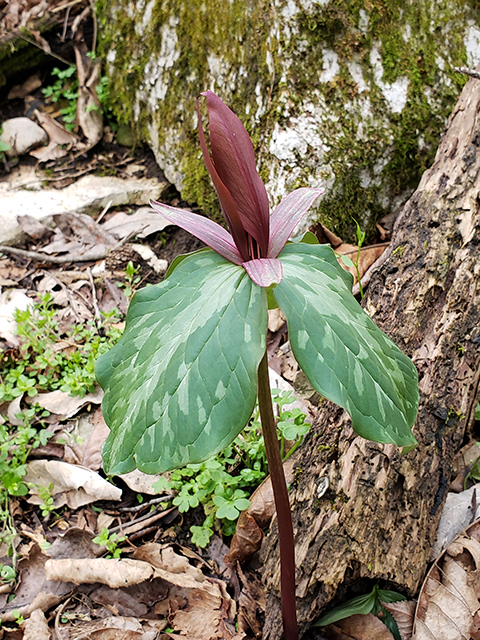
379 517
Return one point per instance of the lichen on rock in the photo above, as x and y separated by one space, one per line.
351 95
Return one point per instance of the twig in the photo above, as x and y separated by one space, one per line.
106 208
139 507
18 34
127 528
95 26
64 6
468 72
94 295
91 256
65 25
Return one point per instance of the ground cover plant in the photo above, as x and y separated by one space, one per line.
39 366
183 380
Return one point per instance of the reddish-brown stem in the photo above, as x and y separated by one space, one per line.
282 504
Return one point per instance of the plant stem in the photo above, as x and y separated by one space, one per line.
282 504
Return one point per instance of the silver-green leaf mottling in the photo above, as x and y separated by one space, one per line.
346 357
181 383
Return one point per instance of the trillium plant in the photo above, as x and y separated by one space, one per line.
183 380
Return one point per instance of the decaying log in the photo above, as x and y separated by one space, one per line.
379 517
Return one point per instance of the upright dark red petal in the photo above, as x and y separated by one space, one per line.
234 160
226 201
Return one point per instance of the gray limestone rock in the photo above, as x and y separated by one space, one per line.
348 95
21 194
22 135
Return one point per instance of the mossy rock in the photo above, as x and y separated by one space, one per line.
352 95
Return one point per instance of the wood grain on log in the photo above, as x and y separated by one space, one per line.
379 517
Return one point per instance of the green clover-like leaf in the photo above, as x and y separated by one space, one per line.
346 357
181 383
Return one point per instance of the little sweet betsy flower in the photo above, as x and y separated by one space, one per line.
256 237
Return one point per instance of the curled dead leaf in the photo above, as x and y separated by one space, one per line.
71 484
112 572
358 627
64 405
248 535
36 627
368 255
449 602
403 612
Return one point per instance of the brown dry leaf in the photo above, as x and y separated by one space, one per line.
142 223
33 590
289 366
140 482
72 485
449 599
14 409
29 86
164 557
459 510
52 151
112 572
75 543
368 255
36 627
123 601
201 609
89 112
252 601
64 405
84 445
325 236
403 612
79 235
116 627
248 535
358 627
207 615
33 227
276 319
10 273
56 132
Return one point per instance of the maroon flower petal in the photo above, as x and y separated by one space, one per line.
226 201
287 215
234 160
264 271
202 228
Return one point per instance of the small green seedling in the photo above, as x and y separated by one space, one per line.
110 541
45 494
3 147
131 280
348 262
64 91
19 619
7 573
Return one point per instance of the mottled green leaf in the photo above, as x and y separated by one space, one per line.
181 383
346 357
359 605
